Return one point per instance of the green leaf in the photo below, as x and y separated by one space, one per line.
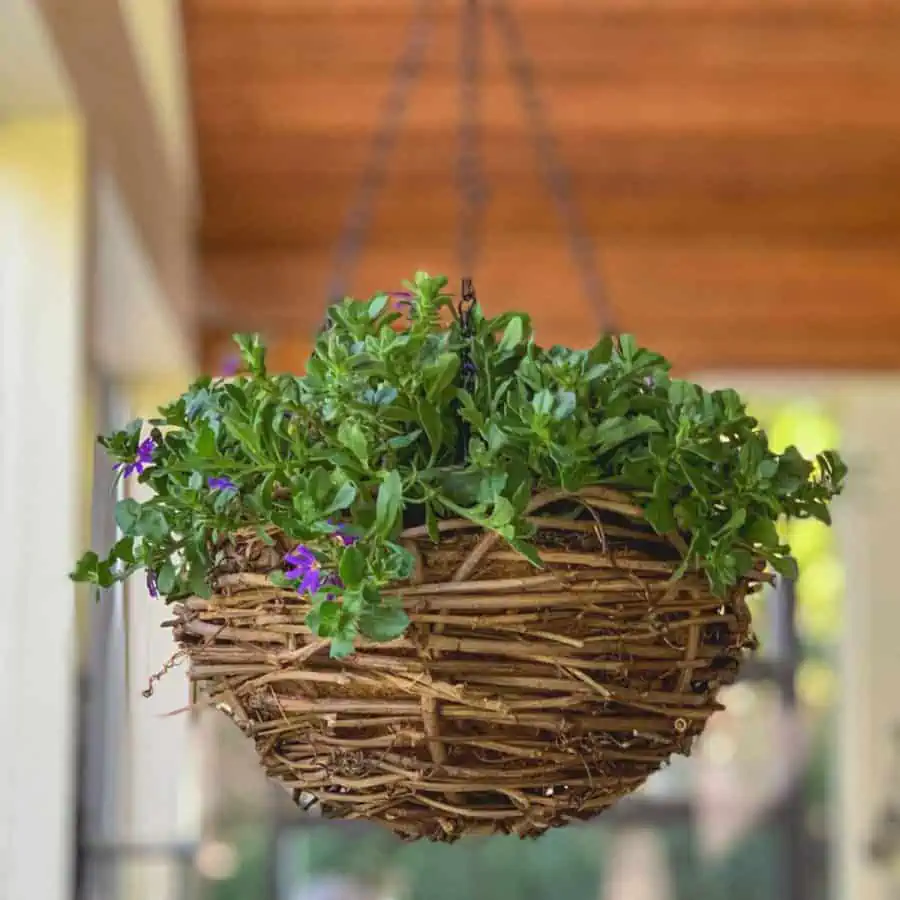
440 374
389 504
738 517
397 413
324 619
743 562
503 513
153 525
279 579
512 335
243 434
343 499
529 551
786 566
599 356
377 305
430 417
319 486
628 346
351 435
565 405
613 432
469 411
128 512
353 567
761 531
383 623
86 567
682 393
496 438
166 579
105 575
402 441
431 523
767 468
200 587
660 515
124 549
340 647
206 441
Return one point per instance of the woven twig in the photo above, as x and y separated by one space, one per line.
519 700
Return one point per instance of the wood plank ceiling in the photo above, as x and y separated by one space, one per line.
737 163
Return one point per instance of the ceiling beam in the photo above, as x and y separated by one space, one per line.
643 9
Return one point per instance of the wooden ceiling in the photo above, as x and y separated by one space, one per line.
737 163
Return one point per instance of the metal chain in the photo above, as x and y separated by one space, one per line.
470 177
467 369
359 217
552 168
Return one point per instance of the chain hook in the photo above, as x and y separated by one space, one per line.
467 302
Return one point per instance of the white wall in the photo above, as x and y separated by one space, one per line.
869 526
78 299
41 403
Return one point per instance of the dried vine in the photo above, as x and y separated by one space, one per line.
517 701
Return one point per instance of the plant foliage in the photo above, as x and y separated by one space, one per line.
385 428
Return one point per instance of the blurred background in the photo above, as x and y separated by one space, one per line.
173 172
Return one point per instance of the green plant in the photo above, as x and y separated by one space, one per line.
388 427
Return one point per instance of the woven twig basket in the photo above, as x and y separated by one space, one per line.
519 699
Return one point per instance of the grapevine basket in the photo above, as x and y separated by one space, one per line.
520 699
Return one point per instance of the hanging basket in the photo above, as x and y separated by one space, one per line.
413 577
518 700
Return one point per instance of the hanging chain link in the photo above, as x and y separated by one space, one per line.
472 194
359 217
552 168
470 177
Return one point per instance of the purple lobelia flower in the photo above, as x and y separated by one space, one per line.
402 299
340 532
230 366
305 569
152 589
221 484
144 458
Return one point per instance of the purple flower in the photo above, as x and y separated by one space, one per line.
230 366
305 569
340 532
151 584
221 484
332 580
403 299
144 458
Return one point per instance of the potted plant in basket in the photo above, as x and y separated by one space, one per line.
451 580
